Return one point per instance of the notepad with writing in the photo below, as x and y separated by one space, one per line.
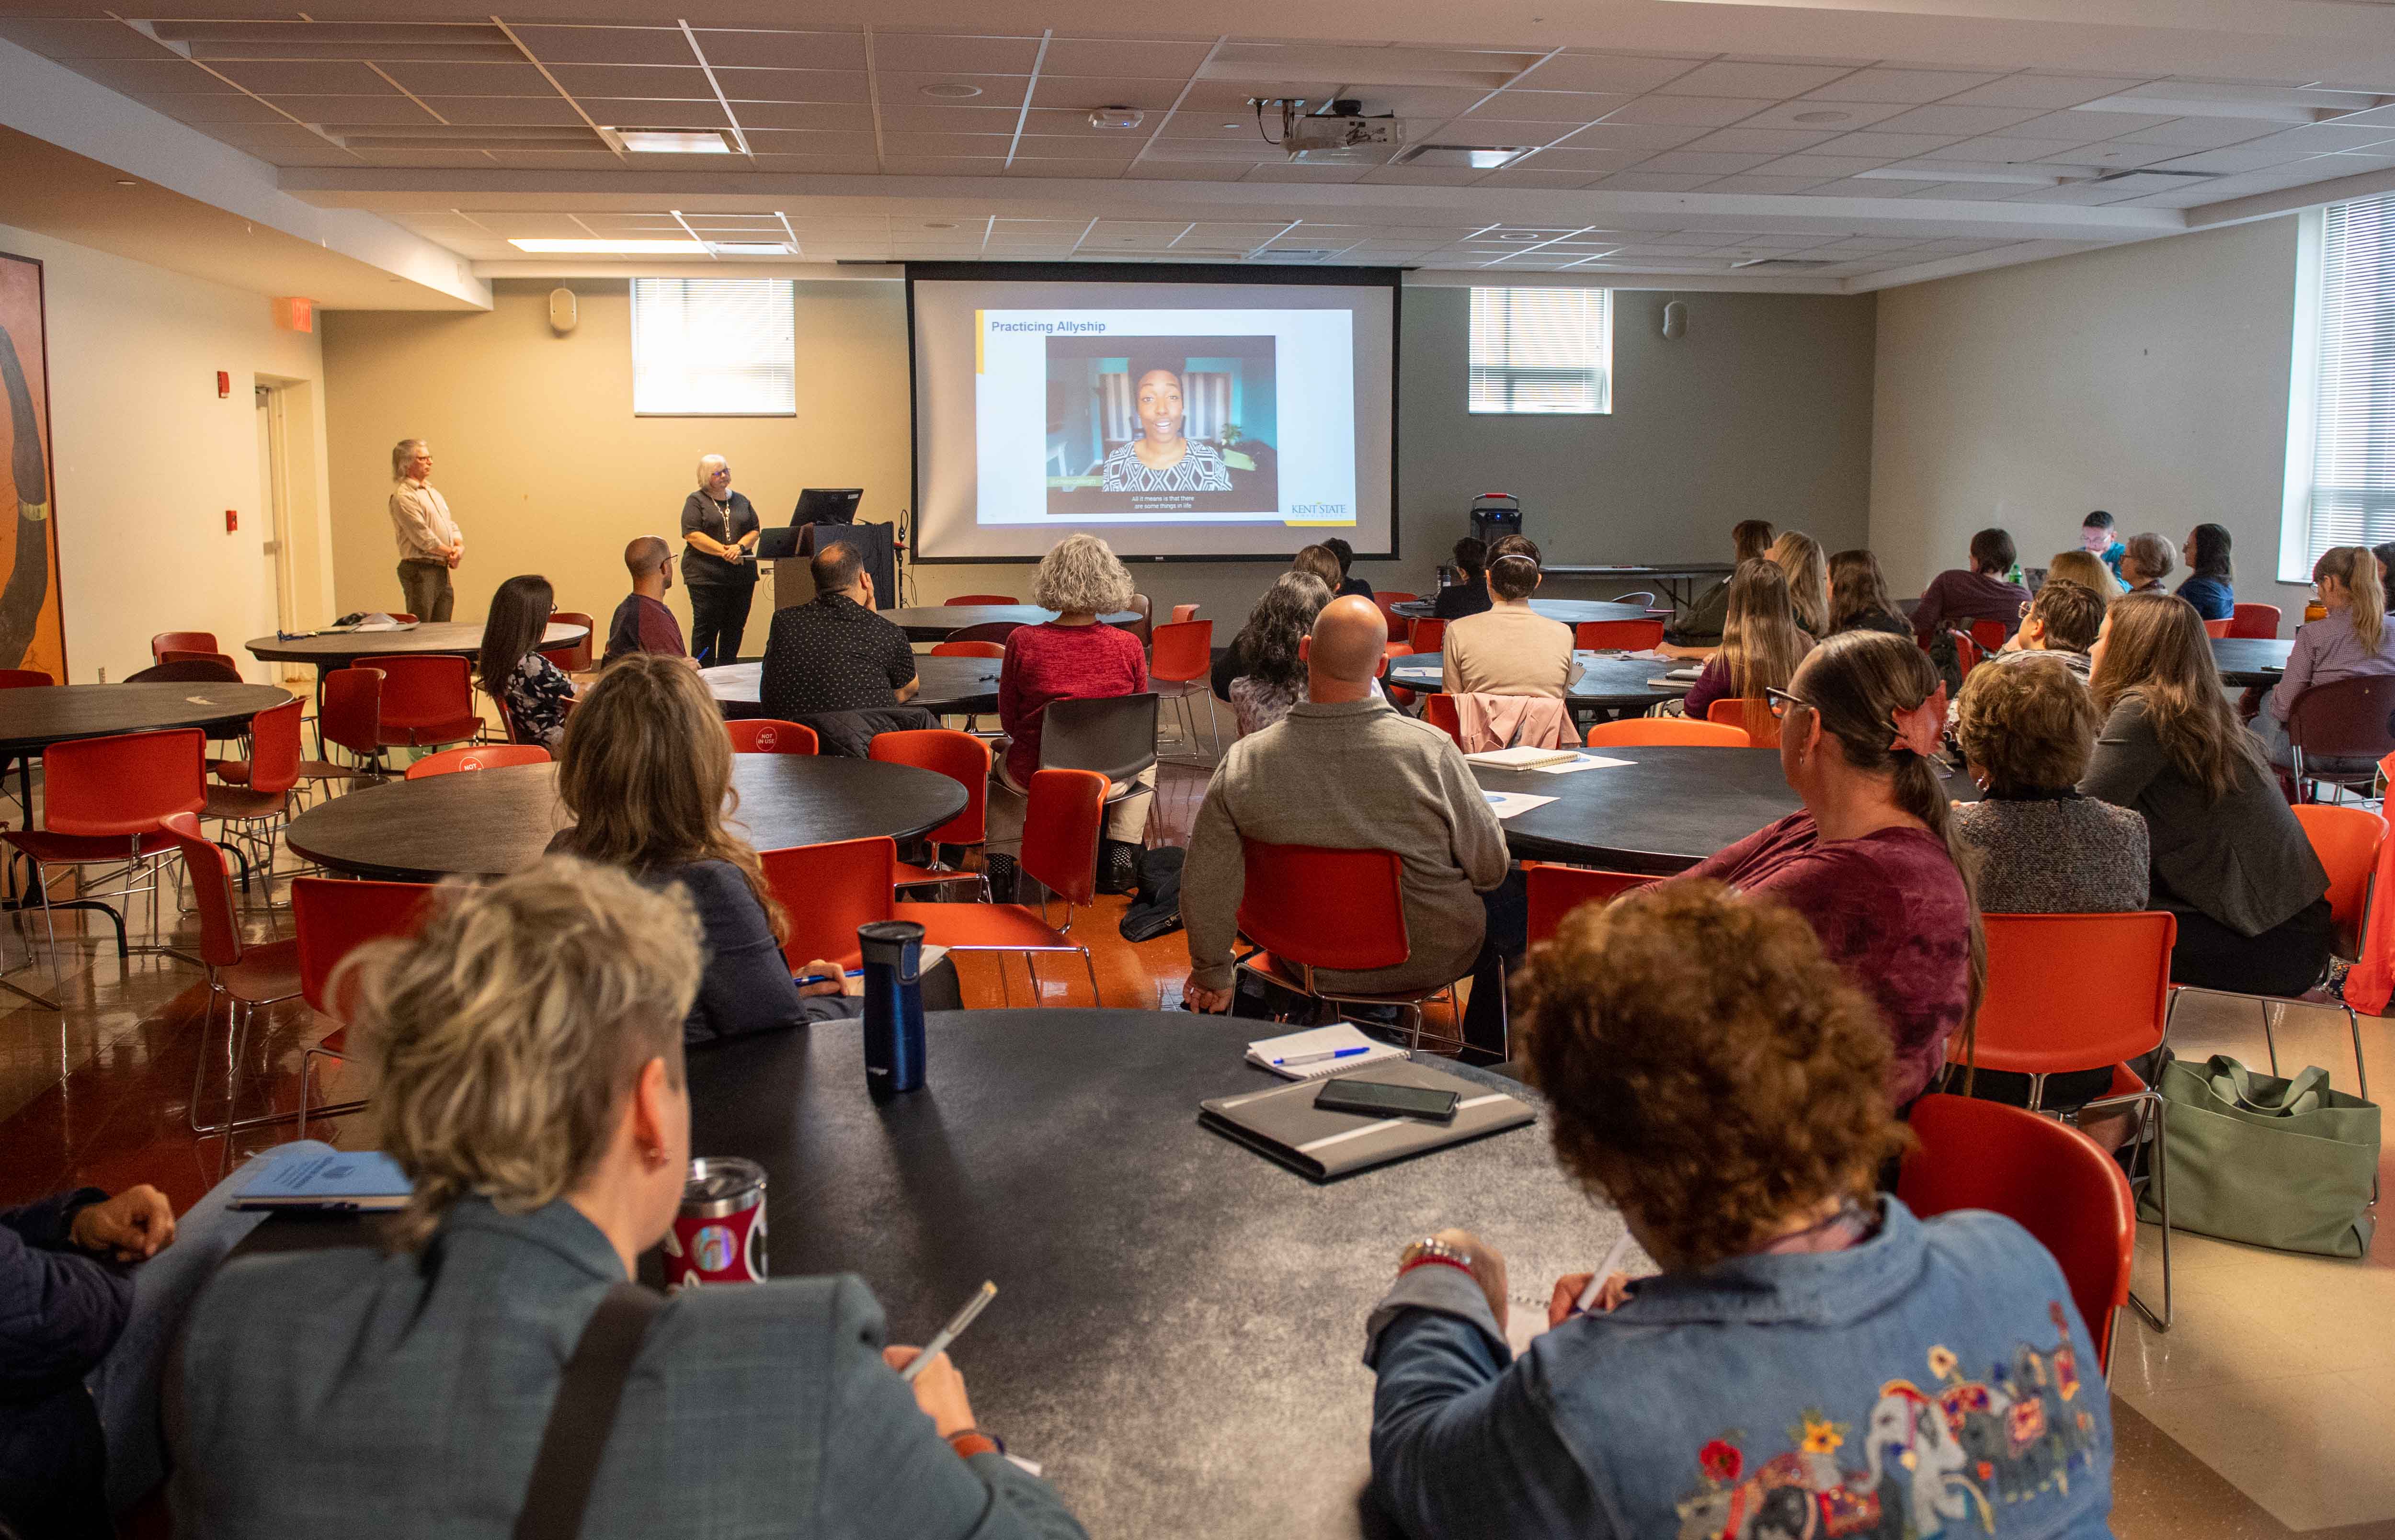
1299 1055
1522 758
1286 1125
363 1181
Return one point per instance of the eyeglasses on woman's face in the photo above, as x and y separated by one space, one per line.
1783 702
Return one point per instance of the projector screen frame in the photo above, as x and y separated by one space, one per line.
1392 279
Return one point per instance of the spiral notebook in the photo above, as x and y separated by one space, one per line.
1346 1049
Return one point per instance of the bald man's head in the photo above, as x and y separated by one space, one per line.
645 555
1348 637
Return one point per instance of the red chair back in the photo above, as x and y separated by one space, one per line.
2253 620
186 671
1642 732
1754 717
768 735
1183 651
275 748
1324 908
1184 611
351 714
1966 652
124 785
1630 636
211 890
2073 992
429 696
2345 718
2217 627
1557 891
2346 841
1439 710
959 756
1061 823
574 657
334 918
24 679
984 598
829 891
481 756
181 641
1990 635
2045 1176
1426 636
1395 622
179 656
968 650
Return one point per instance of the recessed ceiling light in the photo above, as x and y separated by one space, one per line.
670 142
1823 117
954 90
127 183
611 248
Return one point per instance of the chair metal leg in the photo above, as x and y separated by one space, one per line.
2360 1071
1089 964
2269 1020
2158 1142
1031 966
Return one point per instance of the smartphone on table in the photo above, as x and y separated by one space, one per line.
1379 1098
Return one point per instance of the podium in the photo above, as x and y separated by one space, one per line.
793 584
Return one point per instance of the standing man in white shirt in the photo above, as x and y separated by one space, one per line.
429 546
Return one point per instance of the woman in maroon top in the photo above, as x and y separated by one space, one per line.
1870 861
1072 657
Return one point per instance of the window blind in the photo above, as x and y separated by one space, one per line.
713 348
1541 350
2352 500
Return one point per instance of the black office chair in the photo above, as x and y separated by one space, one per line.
1112 734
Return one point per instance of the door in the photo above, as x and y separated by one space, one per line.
273 487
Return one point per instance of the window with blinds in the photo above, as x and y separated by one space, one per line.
2352 490
713 348
1541 350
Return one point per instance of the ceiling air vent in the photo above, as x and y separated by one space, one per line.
1293 254
460 136
1783 264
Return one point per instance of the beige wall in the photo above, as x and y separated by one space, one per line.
147 458
2147 380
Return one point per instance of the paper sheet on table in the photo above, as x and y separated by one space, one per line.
1511 804
1580 762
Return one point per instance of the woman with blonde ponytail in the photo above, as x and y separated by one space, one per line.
1871 860
2353 639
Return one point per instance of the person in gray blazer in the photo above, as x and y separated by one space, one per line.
528 1051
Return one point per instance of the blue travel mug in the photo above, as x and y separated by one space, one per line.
893 1006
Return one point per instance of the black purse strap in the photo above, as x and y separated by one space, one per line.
587 1396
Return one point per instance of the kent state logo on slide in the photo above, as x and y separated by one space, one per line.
1320 513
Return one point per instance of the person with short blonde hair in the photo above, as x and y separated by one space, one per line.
2088 572
429 546
719 533
529 1080
1796 1347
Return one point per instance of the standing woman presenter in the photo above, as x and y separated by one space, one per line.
719 567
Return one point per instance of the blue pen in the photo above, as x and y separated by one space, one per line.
824 978
1323 1057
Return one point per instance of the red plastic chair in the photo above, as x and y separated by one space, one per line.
968 650
186 670
180 656
2050 1179
769 735
103 801
1184 611
1557 890
828 890
575 657
23 679
962 758
253 809
2217 628
1754 718
2080 991
248 977
2253 620
1426 636
1061 824
1966 652
332 919
428 700
1643 732
181 641
983 599
1305 908
988 630
1990 635
1439 710
349 717
1629 636
1179 669
481 756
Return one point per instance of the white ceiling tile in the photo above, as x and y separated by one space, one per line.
1834 116
2005 149
1692 162
1773 186
640 112
1084 147
1424 176
946 144
549 112
1547 107
2050 91
1206 125
1286 172
1623 74
1878 84
1751 80
1956 119
472 80
1026 167
781 50
964 55
152 76
2233 161
1821 166
1648 182
1070 93
827 85
921 117
391 109
1571 158
1776 142
2203 133
1212 150
2323 139
809 115
943 166
311 77
1079 56
1649 137
606 45
1888 147
2083 128
226 107
1686 111
779 141
634 80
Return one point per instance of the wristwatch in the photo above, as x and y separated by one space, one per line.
1430 1248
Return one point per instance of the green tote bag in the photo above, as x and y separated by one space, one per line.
2285 1163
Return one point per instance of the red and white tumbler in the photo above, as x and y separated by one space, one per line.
718 1237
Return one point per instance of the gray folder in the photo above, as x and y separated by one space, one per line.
1284 1124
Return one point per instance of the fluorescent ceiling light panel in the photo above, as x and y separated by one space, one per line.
1476 157
611 248
670 141
749 248
2258 104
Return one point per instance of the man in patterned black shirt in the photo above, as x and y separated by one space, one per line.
833 653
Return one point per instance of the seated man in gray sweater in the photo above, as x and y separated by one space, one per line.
1345 771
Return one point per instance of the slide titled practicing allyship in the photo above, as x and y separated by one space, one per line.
1188 416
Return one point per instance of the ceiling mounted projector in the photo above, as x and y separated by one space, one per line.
1339 135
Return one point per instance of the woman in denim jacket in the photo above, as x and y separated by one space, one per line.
1812 1361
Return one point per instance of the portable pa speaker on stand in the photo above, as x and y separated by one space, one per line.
1495 513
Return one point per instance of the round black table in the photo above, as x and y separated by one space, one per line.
959 687
340 648
1179 1324
1607 682
2251 660
1571 611
32 720
490 823
938 621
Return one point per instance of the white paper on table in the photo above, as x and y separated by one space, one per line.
1511 804
1585 761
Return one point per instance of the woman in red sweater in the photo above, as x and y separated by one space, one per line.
1072 657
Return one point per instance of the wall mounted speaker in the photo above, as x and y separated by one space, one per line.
1676 320
563 312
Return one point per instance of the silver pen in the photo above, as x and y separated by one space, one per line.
949 1332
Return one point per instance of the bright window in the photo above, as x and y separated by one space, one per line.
1542 350
2347 498
713 348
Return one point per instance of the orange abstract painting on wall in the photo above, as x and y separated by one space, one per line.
31 635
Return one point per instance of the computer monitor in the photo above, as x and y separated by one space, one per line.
827 506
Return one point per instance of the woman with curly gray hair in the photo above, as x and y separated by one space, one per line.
1072 657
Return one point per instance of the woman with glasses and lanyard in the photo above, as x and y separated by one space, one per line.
719 567
1870 861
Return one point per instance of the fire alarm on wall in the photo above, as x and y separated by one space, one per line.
224 385
232 520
